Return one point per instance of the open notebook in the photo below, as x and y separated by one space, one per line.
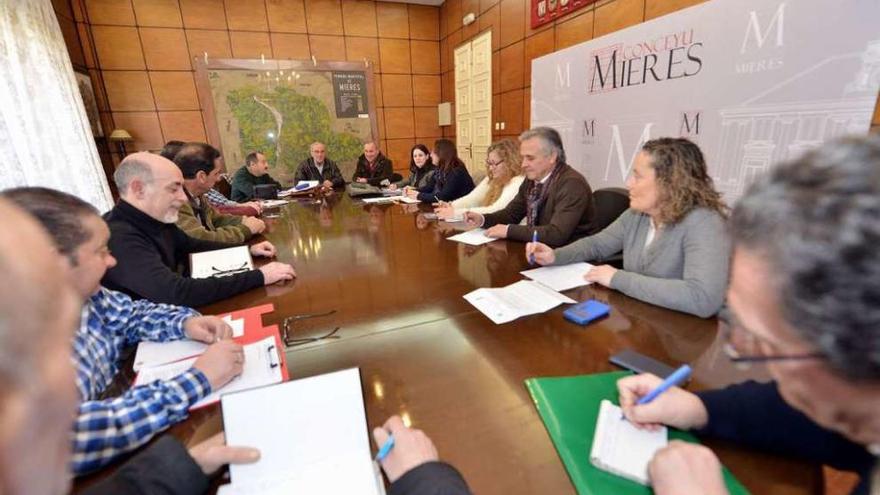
622 449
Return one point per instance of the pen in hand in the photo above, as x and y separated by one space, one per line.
678 377
385 449
534 240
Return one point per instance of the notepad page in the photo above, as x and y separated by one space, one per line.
312 436
158 353
475 237
622 449
208 263
561 277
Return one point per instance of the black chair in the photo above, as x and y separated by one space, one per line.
395 177
610 203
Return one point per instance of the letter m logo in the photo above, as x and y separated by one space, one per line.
753 30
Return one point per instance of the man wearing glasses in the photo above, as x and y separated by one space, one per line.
805 288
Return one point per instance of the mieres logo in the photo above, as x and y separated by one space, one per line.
563 75
588 131
690 124
758 33
671 56
616 149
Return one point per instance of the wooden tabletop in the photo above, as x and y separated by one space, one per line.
396 285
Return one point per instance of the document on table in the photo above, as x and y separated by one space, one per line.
301 187
475 237
156 353
312 436
455 219
622 449
405 199
221 262
261 367
380 199
562 277
522 298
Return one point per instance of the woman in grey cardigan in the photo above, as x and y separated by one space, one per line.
675 244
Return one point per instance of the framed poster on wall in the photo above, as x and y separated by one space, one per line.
280 107
544 11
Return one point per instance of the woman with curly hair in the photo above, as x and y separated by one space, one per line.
503 178
676 248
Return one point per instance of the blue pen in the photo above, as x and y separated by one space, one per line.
673 380
385 449
534 240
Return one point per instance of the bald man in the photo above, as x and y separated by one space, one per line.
373 167
152 252
320 168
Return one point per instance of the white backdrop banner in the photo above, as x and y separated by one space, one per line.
752 82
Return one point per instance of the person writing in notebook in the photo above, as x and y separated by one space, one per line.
107 427
804 297
555 199
675 245
39 403
152 252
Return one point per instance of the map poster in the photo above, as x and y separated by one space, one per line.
350 92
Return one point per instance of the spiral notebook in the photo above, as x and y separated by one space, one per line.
622 449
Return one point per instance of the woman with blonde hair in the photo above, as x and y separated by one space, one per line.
676 248
499 187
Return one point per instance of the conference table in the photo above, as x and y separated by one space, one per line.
396 285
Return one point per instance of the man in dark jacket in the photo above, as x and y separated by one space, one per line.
372 167
152 252
803 293
254 173
40 403
320 168
555 200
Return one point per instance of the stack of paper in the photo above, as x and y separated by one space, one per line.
262 366
221 262
519 299
312 436
475 237
622 449
157 353
380 199
300 187
562 277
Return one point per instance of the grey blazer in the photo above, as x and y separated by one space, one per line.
685 268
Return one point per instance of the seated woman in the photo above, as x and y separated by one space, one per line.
451 180
421 170
503 178
676 248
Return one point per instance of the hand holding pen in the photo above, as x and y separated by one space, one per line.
402 448
674 407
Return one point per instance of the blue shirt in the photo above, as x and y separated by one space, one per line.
106 428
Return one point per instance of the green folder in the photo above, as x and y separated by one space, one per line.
569 407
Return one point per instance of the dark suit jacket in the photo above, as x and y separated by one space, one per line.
149 254
568 213
307 170
383 170
756 415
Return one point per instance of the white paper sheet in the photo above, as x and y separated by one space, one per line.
221 261
505 304
379 199
622 449
259 358
237 325
158 353
312 436
475 237
562 277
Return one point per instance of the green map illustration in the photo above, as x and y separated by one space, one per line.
281 115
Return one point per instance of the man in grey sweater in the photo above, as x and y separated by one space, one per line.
676 249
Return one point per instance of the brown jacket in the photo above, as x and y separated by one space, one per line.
207 224
567 214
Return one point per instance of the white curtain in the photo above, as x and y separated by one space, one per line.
45 136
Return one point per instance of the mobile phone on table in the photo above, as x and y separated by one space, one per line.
640 363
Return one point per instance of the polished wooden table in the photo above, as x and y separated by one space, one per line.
426 354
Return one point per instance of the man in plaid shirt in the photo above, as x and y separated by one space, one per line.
111 322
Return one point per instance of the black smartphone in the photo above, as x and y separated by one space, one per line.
640 363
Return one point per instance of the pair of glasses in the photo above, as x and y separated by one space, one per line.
221 272
744 347
288 330
491 164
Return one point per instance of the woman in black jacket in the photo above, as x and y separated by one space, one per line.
421 169
451 180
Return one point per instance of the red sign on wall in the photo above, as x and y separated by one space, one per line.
544 11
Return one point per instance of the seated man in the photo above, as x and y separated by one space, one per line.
200 164
40 403
107 428
150 249
318 167
254 173
555 199
372 167
804 291
220 202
